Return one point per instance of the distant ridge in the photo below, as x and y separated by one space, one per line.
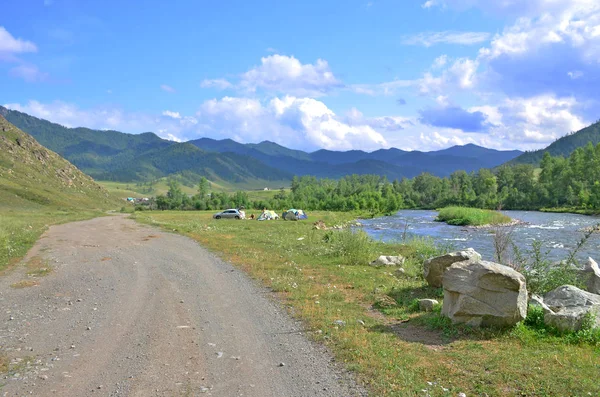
563 146
113 155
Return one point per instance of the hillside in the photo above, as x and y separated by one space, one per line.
31 175
185 157
117 156
563 146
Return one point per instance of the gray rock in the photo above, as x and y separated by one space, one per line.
433 269
426 305
482 293
591 275
568 306
388 261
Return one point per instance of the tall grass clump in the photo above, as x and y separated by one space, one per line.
463 216
352 247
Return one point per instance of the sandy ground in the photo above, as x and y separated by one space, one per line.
130 310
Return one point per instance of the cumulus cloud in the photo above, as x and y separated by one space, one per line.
305 122
286 74
173 115
428 39
12 45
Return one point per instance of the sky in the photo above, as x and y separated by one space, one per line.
340 75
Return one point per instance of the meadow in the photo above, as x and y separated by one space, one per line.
369 319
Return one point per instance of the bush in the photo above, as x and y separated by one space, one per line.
462 216
540 273
352 247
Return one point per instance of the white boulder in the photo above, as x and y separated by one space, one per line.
433 269
567 308
482 293
591 275
388 261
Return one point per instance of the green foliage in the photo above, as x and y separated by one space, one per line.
461 216
353 248
541 274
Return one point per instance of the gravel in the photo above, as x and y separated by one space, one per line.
132 311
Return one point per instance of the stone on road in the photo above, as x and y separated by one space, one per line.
129 310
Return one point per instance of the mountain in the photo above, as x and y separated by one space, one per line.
185 157
563 146
113 155
93 151
32 176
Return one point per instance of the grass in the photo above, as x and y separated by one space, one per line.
395 350
463 216
38 188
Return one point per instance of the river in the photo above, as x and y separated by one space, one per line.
559 233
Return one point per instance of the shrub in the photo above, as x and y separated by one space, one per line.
352 247
462 216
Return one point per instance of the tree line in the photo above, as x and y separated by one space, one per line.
572 182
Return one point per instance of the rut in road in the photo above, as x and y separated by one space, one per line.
130 310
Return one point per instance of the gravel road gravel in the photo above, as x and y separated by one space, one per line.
130 310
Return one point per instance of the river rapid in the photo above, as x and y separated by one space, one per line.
559 233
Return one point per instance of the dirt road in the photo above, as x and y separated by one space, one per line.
130 310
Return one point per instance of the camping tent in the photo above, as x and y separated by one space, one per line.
294 215
268 215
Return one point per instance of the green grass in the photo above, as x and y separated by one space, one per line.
324 277
463 216
39 188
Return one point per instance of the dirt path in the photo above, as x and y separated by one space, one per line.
129 310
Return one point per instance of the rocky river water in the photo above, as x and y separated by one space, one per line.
559 233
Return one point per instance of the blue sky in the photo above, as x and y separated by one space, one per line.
423 74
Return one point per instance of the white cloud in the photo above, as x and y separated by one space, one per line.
173 115
29 73
11 45
167 88
429 4
301 122
220 84
428 39
286 74
440 61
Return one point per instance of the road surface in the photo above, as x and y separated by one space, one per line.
129 310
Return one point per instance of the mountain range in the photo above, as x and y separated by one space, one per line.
113 155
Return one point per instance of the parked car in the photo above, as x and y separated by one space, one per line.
231 213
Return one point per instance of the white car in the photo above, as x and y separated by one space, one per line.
231 213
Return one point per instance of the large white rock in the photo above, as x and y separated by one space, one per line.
433 269
591 274
388 261
567 307
482 293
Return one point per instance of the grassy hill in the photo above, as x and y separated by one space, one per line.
38 188
563 146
